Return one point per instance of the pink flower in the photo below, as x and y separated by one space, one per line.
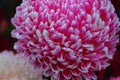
112 78
66 39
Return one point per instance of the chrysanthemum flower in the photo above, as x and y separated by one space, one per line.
66 39
15 67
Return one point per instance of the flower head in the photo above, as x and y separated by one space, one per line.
15 67
66 39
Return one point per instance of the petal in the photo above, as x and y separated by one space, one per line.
54 68
76 72
61 77
44 67
60 66
76 78
48 73
67 74
85 65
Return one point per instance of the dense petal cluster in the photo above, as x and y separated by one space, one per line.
15 67
66 39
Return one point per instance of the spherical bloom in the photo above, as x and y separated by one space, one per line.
66 39
15 67
112 78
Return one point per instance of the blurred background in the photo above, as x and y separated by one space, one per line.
7 11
